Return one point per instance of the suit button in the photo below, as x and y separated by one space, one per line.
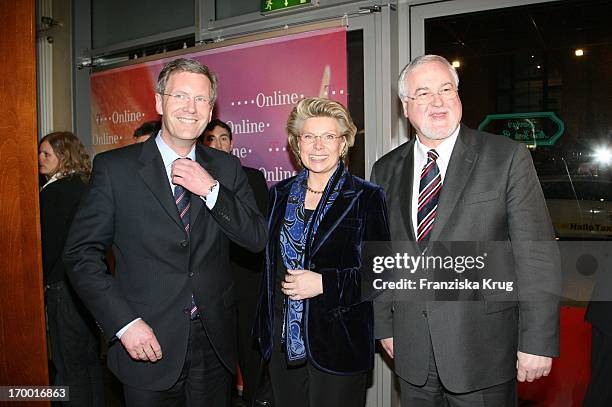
424 314
184 243
191 274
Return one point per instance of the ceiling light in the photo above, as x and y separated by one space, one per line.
579 52
456 63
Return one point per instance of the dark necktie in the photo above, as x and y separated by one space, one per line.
182 199
429 192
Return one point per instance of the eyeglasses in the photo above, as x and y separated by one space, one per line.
183 98
424 97
327 138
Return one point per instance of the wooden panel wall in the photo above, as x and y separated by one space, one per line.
23 353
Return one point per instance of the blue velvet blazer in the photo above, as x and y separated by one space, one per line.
338 324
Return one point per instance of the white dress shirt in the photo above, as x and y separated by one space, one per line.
444 150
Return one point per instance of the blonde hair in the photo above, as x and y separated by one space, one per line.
319 107
71 154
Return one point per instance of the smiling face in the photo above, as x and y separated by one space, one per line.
48 162
184 121
219 139
321 157
438 119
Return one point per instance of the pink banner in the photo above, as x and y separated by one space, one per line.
259 83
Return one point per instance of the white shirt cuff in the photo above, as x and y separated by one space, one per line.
211 198
125 328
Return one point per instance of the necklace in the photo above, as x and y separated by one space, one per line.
312 190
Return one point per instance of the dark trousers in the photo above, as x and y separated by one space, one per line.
204 380
599 393
307 386
75 346
249 357
433 393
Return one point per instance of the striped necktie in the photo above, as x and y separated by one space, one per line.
430 186
182 199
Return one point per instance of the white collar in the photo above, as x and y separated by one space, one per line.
444 149
168 154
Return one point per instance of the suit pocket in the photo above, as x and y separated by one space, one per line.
481 197
358 312
500 302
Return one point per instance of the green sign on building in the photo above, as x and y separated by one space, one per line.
533 129
276 5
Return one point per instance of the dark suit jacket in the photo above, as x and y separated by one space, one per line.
339 323
490 194
599 311
58 204
130 207
247 266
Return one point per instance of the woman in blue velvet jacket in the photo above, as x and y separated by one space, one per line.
314 320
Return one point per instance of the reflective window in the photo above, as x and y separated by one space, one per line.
540 74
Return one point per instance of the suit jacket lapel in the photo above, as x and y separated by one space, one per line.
341 206
154 175
460 166
405 174
333 217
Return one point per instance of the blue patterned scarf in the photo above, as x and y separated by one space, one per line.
296 237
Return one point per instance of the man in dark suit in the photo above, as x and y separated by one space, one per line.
599 315
456 184
168 207
246 266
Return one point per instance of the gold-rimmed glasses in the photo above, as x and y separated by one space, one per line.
425 97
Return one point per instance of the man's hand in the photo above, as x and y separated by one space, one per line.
387 345
190 175
302 284
531 367
141 343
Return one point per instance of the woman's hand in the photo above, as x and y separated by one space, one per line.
302 284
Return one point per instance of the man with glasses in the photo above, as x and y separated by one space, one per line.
454 184
168 208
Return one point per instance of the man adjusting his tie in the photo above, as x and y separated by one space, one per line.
168 208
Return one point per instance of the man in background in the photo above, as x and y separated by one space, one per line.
246 266
147 130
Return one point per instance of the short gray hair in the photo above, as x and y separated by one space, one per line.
424 59
186 65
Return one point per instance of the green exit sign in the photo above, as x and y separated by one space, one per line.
276 5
